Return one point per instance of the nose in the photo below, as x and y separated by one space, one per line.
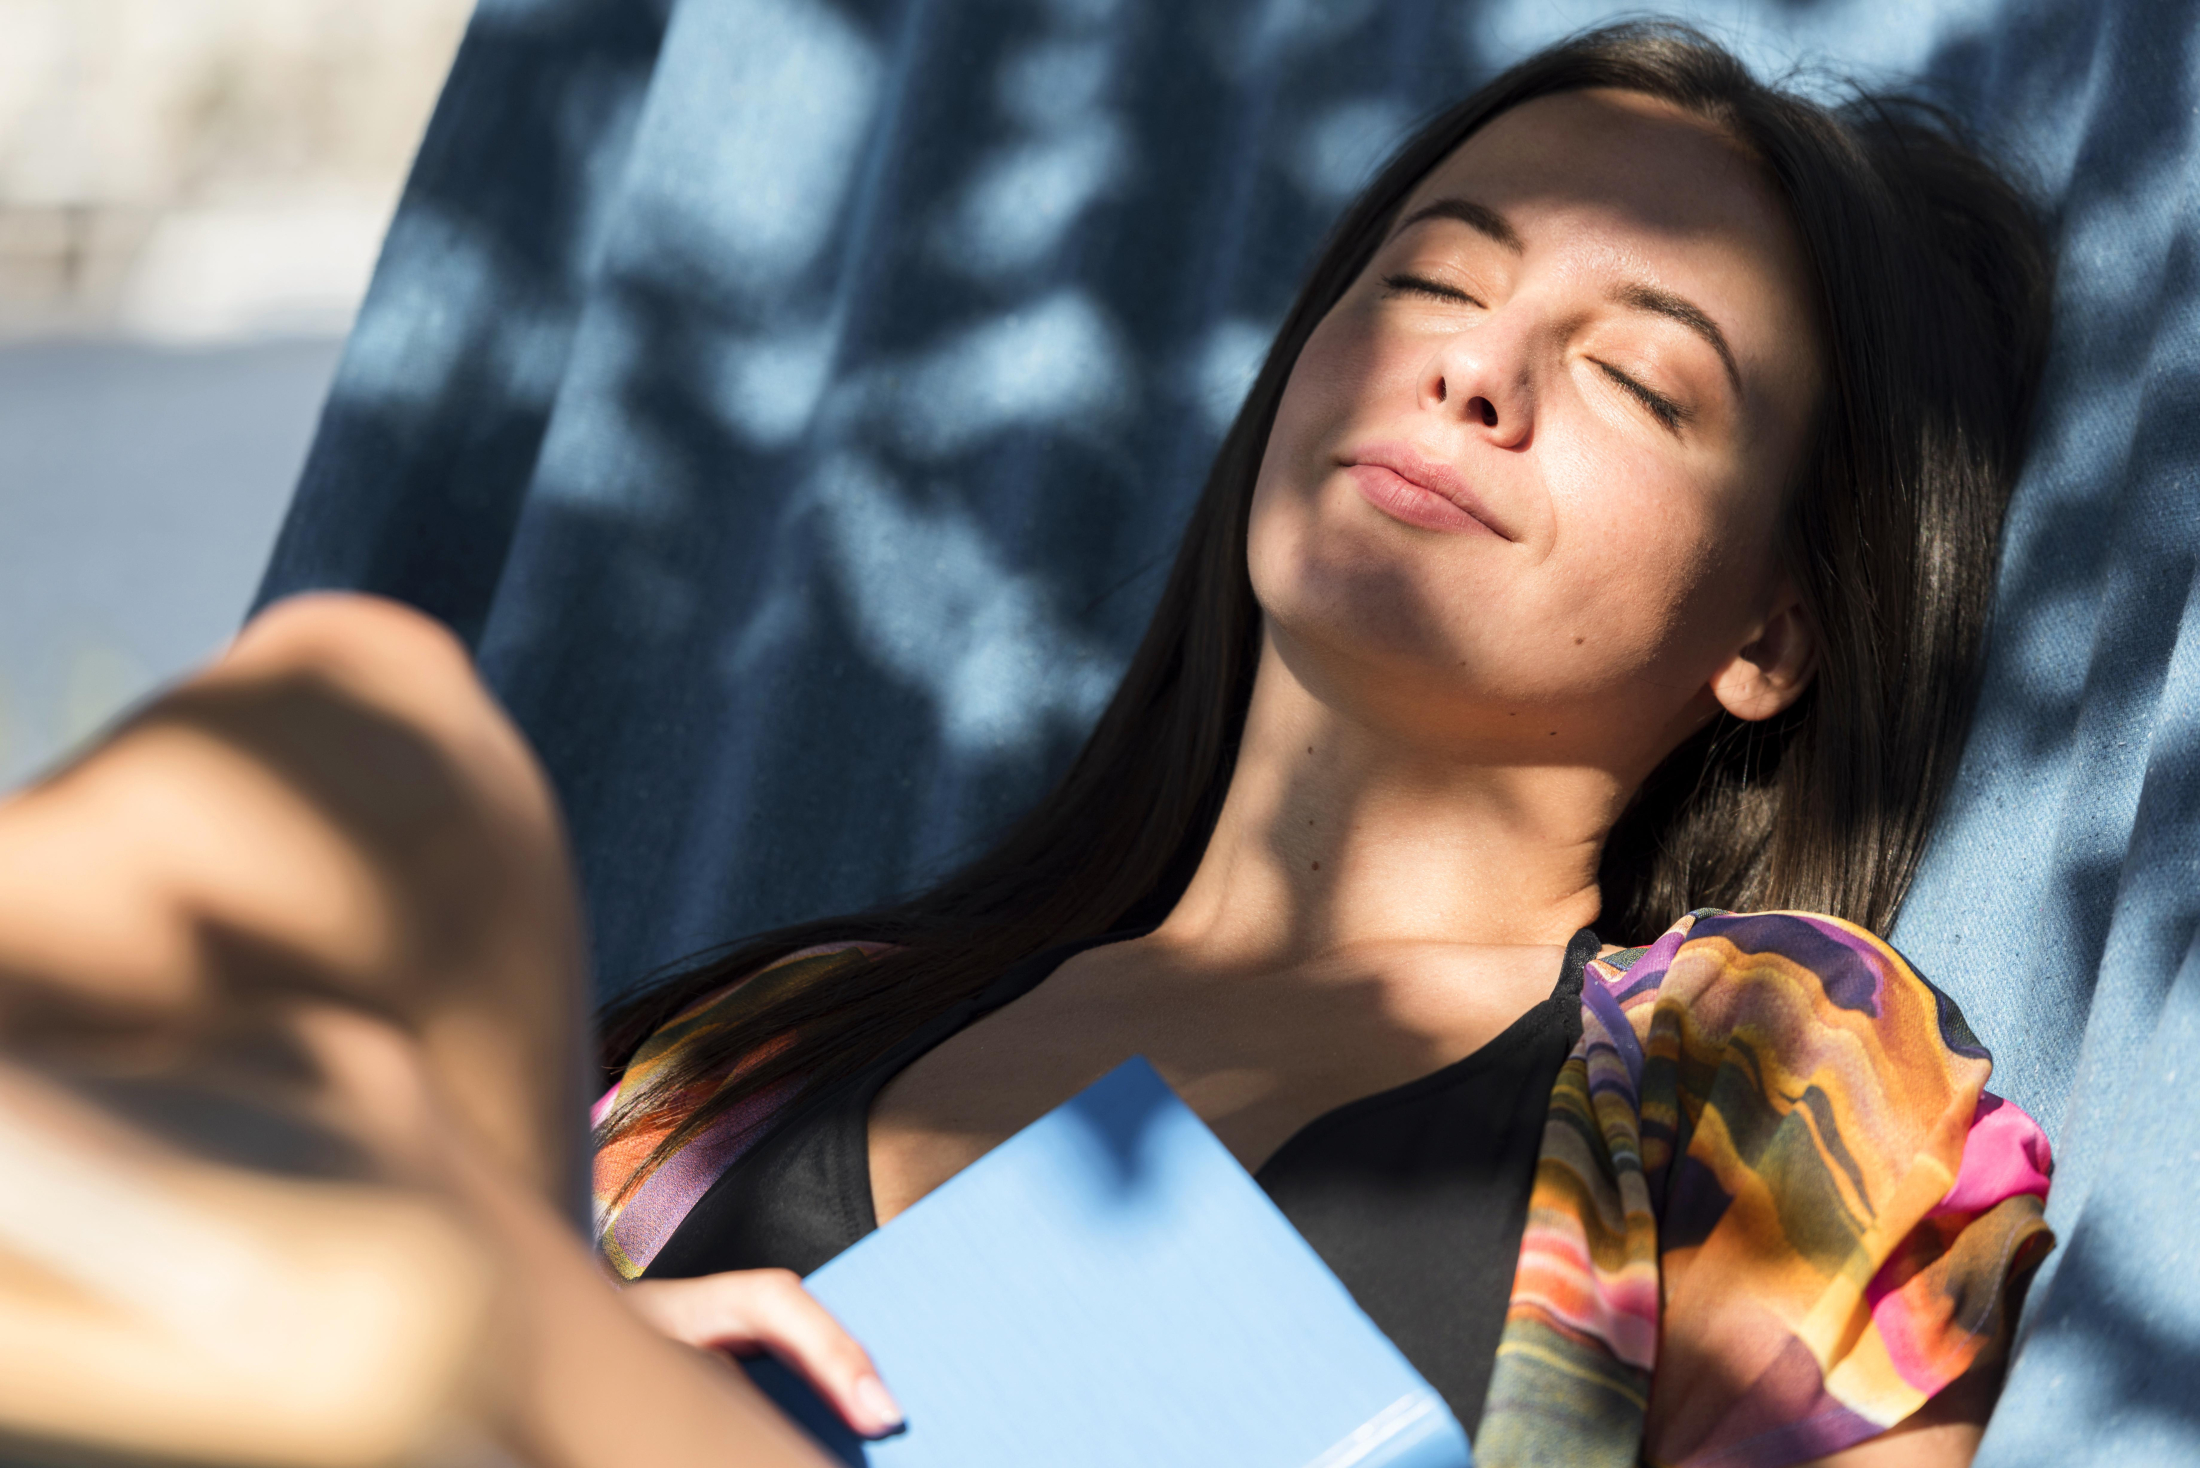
1481 374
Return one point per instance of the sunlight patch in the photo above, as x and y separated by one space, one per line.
936 603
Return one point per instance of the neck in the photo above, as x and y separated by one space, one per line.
1338 834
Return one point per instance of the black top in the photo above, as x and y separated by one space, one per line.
1415 1196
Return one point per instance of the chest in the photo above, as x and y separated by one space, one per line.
1258 1055
1415 1196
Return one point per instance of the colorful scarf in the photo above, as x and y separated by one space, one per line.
1775 1210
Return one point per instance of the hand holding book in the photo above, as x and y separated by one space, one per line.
1110 1287
754 1312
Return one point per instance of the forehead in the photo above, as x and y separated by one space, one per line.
1649 168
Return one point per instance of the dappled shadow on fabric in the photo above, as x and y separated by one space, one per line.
431 432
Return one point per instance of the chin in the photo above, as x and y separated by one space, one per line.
1345 585
1358 642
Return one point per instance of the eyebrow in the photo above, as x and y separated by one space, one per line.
1479 217
1687 313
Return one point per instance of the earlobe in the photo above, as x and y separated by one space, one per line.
1772 670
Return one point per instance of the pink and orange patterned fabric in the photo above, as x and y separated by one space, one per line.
634 1218
1775 1212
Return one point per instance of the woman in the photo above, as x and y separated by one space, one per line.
1608 535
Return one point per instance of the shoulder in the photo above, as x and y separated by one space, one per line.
1739 968
692 1028
1814 940
1825 1181
653 1158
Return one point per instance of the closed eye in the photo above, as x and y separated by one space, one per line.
1421 285
1662 408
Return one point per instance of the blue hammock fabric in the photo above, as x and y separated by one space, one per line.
795 403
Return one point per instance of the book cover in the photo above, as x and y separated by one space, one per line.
1110 1287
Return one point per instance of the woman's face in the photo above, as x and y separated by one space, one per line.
1528 467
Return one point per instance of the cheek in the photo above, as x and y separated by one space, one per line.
1338 372
1663 563
1324 390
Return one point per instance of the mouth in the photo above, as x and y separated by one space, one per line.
1420 491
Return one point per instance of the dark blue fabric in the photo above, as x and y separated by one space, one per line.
795 402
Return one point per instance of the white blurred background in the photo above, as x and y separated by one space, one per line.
192 193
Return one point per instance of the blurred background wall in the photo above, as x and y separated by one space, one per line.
192 194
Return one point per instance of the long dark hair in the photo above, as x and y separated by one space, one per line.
1933 276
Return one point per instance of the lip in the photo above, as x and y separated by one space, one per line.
1406 485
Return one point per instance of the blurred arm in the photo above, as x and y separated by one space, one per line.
290 1087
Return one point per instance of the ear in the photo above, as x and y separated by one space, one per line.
1773 668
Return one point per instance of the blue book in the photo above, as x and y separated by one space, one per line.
1109 1289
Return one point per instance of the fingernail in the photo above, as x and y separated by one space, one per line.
877 1404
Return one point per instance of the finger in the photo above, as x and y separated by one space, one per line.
768 1310
792 1325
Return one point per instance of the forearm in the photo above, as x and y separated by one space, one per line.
334 812
316 894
